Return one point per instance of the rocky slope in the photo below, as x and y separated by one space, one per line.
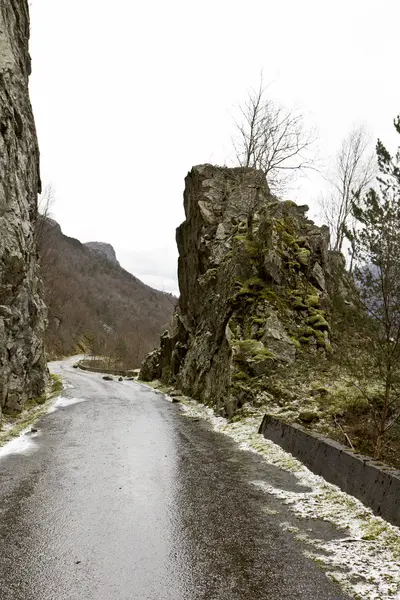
22 312
105 249
94 304
255 277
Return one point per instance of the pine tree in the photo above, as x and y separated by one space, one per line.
376 295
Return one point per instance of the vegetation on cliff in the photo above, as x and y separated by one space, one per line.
269 319
254 292
372 352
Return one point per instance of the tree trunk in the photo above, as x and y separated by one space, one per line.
250 219
380 438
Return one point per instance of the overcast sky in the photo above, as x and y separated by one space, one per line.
129 95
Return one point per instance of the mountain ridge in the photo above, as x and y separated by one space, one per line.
95 305
105 249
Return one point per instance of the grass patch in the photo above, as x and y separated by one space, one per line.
157 385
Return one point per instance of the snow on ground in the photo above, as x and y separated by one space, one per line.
22 443
366 559
62 402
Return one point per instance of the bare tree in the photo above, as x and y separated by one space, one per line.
354 170
273 139
45 202
248 195
44 233
173 300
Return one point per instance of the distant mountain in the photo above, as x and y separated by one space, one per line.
105 249
94 304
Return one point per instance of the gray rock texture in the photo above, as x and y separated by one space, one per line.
23 368
105 249
254 276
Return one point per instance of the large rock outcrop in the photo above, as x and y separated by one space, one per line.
22 312
105 249
254 276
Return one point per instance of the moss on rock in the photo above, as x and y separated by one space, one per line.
251 248
261 312
252 348
318 321
312 300
303 256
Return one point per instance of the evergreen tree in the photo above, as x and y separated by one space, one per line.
376 295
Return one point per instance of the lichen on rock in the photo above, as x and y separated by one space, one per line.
254 290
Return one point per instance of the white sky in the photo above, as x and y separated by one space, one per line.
129 95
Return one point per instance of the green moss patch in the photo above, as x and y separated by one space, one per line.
240 376
312 301
318 321
250 246
298 303
253 349
303 256
257 320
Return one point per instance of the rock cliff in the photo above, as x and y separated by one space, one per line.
254 276
105 249
22 312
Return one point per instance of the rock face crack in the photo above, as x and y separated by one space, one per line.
23 368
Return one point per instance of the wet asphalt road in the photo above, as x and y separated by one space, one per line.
121 497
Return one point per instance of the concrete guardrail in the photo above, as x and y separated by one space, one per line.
116 372
375 484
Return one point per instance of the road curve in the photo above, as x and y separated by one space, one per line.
121 497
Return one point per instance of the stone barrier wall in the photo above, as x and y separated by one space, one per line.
118 373
375 484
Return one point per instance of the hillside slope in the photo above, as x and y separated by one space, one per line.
94 304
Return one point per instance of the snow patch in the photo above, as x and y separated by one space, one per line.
25 440
62 402
20 445
365 561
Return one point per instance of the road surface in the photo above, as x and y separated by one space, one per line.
119 496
